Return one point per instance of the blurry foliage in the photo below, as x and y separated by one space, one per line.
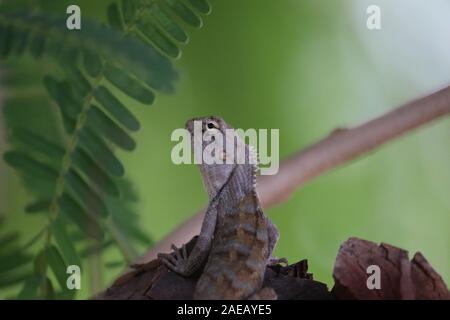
302 66
66 155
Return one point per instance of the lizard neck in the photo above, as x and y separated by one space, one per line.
241 183
236 179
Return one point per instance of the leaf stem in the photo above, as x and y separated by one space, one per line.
73 138
35 238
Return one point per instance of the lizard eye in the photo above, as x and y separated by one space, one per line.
210 125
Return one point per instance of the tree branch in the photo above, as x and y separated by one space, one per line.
340 147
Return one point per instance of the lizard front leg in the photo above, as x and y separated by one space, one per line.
179 262
273 236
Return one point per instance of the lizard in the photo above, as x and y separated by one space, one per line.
236 239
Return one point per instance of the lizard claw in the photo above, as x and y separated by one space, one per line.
176 251
167 259
176 260
180 253
184 252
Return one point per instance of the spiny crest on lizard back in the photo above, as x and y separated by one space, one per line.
216 134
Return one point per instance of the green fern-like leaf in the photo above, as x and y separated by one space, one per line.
83 174
15 264
46 36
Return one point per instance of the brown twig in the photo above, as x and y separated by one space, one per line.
341 146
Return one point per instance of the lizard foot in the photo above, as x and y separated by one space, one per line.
177 260
273 261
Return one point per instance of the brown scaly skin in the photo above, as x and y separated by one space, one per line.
239 253
236 239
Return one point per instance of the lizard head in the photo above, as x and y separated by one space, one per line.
213 136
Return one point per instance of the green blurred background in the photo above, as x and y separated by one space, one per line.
304 67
